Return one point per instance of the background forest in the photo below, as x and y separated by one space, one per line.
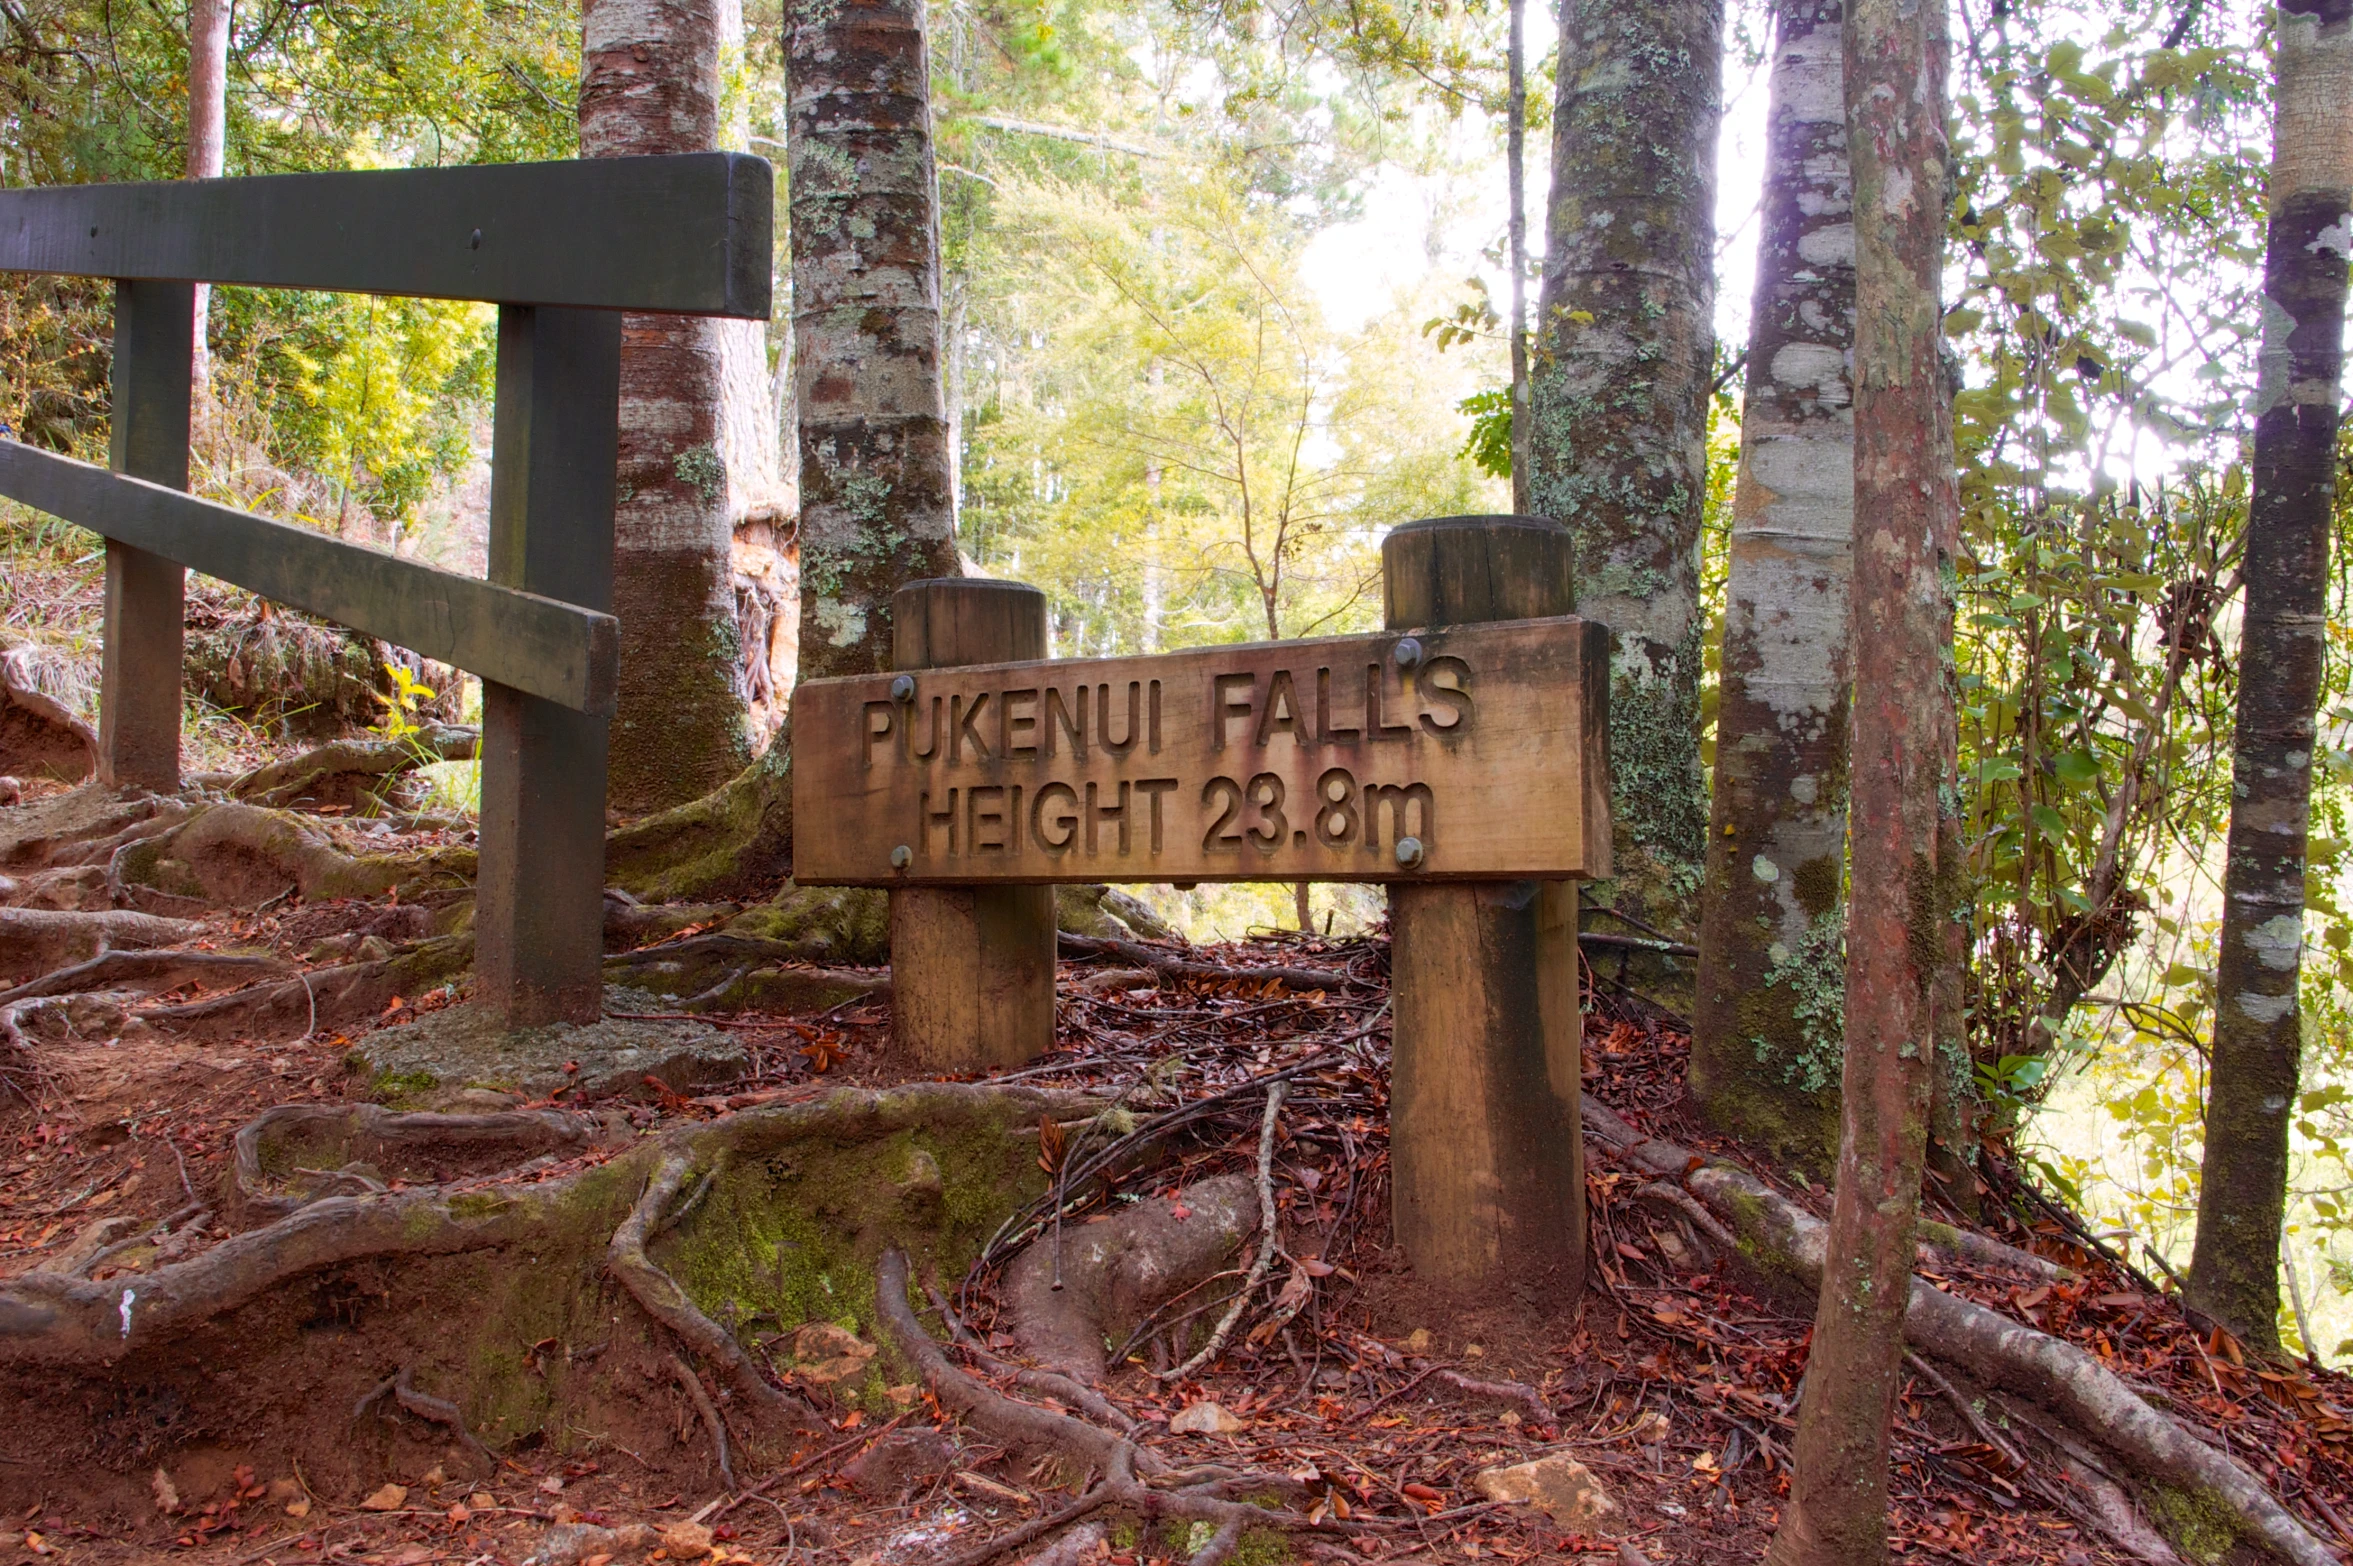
1224 289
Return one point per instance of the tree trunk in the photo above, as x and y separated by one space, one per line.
650 84
755 372
2234 1269
208 140
1617 441
1900 914
1764 1059
1516 177
877 509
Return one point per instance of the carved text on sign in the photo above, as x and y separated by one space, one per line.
1470 751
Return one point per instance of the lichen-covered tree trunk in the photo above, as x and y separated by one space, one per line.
1764 1059
2234 1270
649 83
1617 439
1900 912
208 142
877 509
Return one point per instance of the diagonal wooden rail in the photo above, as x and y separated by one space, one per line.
561 248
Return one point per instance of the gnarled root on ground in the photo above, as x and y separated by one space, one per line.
244 855
734 839
49 1318
1131 1478
1777 1235
661 1298
38 941
323 997
356 1149
353 772
1095 1281
153 969
39 735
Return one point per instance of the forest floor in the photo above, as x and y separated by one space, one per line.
1672 1379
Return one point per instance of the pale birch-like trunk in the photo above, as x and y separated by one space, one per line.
755 404
1765 1056
1617 429
2258 1024
1907 874
650 84
877 502
208 146
1515 165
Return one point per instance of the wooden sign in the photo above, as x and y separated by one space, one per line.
1471 752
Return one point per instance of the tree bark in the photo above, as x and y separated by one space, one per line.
2234 1268
877 505
1617 440
1899 917
208 140
650 84
1516 177
1764 1058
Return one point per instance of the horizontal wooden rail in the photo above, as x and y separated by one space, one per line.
683 235
533 644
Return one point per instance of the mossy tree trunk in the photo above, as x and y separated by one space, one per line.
1900 913
877 509
650 84
1617 438
2234 1269
1765 1059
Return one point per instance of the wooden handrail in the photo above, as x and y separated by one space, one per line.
687 235
548 649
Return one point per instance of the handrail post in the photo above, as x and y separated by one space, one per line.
1487 1156
539 900
139 683
972 967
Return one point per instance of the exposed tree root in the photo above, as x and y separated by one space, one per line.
1779 1236
37 941
1068 1293
243 855
661 1298
39 735
1133 1478
424 1405
324 997
1942 1242
157 969
365 1134
1046 1382
735 839
692 1385
46 1318
1170 966
353 772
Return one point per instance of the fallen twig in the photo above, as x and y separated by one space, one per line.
1266 1243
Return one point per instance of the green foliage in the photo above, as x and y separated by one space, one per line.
383 394
1489 443
367 404
1188 454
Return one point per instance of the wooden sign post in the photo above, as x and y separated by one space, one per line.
972 967
1459 757
1486 1153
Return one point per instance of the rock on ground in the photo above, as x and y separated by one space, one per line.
463 1046
1563 1488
